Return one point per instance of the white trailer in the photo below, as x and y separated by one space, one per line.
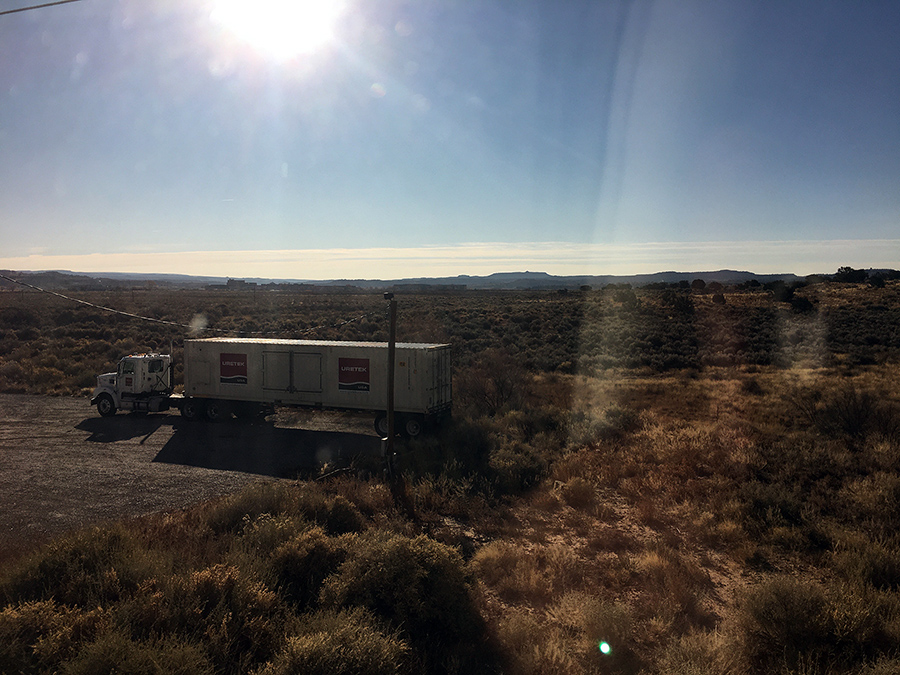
249 376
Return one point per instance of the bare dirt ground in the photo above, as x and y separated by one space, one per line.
63 467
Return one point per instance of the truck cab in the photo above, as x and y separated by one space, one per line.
142 382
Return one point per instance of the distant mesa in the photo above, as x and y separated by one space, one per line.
535 281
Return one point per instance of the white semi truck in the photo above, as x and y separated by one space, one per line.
247 377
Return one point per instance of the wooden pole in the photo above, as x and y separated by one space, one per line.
392 348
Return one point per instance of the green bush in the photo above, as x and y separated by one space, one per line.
341 643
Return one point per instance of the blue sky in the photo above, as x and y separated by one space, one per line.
444 137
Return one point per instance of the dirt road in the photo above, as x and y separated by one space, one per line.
62 466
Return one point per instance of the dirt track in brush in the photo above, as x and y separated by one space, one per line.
63 467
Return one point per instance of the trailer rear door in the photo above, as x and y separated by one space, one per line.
292 371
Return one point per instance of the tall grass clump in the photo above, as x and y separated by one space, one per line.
342 642
567 638
333 512
115 653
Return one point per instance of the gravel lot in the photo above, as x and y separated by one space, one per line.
62 466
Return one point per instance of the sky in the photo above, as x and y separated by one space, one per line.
405 138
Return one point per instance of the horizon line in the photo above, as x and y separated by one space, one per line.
481 259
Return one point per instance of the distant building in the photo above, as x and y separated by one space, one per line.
240 285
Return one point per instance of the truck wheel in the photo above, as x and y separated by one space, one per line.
381 424
216 411
412 427
191 409
106 406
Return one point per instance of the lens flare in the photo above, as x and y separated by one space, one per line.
605 648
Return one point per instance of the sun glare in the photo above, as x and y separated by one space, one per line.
281 28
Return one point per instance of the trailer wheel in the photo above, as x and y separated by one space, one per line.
190 409
216 411
105 405
381 424
412 427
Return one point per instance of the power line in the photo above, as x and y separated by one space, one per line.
175 323
46 4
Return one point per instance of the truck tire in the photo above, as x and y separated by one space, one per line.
381 424
191 409
412 426
106 406
216 411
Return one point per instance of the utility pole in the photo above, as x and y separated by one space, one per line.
398 485
392 348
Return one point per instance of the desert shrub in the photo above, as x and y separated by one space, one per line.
788 624
494 382
418 585
783 621
752 386
697 653
884 666
848 412
87 569
613 423
873 563
334 512
267 532
341 516
578 493
233 616
34 636
520 574
674 588
769 505
567 638
12 371
115 653
460 450
233 513
348 642
517 466
300 565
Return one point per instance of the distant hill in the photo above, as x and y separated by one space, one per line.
66 280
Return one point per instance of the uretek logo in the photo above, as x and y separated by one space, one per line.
353 374
233 368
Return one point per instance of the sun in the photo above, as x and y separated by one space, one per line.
282 29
